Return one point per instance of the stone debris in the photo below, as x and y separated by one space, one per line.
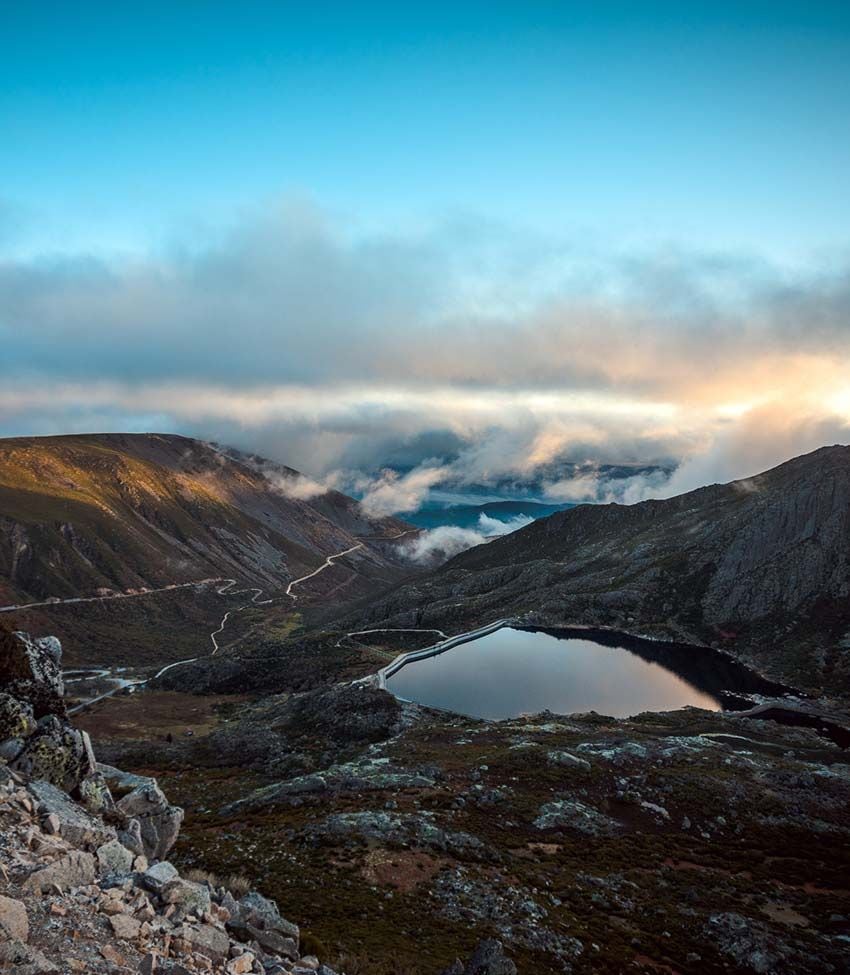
104 914
488 958
84 886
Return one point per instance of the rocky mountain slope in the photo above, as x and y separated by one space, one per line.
759 567
80 514
86 520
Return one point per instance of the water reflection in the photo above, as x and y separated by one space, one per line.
513 671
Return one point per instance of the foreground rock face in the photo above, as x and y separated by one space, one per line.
71 910
38 742
80 890
35 736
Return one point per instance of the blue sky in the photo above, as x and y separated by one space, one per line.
487 238
719 126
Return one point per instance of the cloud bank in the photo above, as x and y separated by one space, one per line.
438 544
464 354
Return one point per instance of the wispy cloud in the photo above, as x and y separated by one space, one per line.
438 544
462 354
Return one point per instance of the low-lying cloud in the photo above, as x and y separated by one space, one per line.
391 493
439 544
461 355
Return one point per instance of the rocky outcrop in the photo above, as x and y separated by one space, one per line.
488 959
38 742
38 659
35 737
84 845
366 775
65 908
349 713
152 822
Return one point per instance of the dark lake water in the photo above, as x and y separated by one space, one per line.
512 672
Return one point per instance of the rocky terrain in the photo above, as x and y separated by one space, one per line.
689 842
86 886
407 841
758 567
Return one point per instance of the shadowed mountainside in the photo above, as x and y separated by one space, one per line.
121 511
758 566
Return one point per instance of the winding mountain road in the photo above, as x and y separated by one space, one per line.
226 589
132 594
329 561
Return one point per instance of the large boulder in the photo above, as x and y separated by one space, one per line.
75 824
25 659
140 798
157 877
56 753
43 660
76 869
14 924
257 919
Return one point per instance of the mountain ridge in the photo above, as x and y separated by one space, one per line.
84 512
758 566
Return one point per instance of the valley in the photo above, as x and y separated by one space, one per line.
596 800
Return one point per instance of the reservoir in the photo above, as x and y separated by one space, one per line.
523 671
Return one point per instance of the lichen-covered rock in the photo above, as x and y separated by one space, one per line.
114 859
24 658
43 660
35 737
16 718
572 814
14 661
94 793
54 753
